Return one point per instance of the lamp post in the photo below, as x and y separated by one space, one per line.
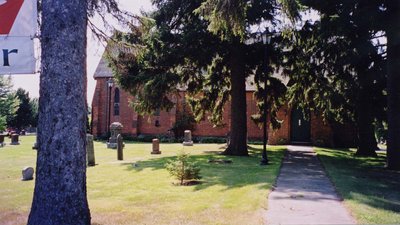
266 39
110 84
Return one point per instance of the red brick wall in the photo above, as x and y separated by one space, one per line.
127 116
281 135
99 108
166 120
321 133
205 128
253 131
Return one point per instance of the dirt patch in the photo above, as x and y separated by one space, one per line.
188 183
11 217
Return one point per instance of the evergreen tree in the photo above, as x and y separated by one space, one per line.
173 47
60 185
393 83
8 102
340 67
35 111
24 114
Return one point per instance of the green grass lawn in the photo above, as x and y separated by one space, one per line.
371 192
120 193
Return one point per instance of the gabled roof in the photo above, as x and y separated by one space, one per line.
103 70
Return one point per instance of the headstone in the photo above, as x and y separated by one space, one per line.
2 136
120 147
188 138
228 138
90 150
35 145
27 173
14 139
156 146
115 129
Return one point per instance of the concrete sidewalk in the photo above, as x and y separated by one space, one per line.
304 194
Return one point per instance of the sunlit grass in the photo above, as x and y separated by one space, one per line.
139 190
371 192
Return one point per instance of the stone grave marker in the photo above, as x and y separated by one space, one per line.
2 136
27 173
120 147
188 138
156 146
35 145
90 159
115 129
14 139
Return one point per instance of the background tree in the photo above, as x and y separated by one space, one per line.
60 185
8 102
340 68
24 115
393 82
35 111
60 188
173 46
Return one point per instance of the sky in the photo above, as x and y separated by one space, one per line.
94 52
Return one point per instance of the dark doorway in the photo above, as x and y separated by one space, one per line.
300 126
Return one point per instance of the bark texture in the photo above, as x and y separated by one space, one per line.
366 136
393 85
60 188
238 133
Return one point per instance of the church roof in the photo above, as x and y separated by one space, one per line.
103 70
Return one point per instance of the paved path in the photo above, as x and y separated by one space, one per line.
304 194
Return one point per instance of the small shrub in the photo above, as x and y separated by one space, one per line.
282 141
182 169
216 140
184 122
320 143
145 138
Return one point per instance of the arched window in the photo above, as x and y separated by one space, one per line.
116 102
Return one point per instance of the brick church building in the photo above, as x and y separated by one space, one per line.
111 104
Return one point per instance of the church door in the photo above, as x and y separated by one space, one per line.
300 127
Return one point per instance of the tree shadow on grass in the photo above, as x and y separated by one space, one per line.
241 172
363 179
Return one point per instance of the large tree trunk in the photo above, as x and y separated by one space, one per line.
60 188
393 85
366 136
238 133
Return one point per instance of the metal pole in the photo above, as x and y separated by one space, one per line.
109 107
264 160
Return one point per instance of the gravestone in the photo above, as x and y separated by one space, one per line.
156 146
14 139
115 129
90 150
188 138
35 145
2 136
120 147
228 138
27 173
